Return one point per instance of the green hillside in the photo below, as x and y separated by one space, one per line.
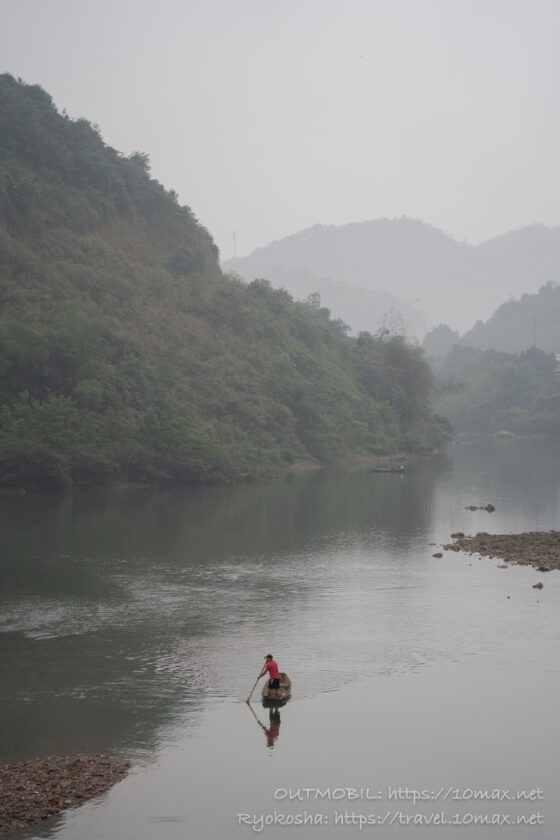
125 353
493 391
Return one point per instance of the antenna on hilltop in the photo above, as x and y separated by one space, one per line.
234 246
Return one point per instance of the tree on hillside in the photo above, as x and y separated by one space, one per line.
439 341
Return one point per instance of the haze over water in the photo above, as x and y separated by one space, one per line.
136 621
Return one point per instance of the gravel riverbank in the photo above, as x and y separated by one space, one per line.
540 549
41 788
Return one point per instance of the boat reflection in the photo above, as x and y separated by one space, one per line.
272 731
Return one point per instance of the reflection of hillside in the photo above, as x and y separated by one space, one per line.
122 609
195 525
123 614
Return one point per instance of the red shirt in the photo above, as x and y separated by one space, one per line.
272 669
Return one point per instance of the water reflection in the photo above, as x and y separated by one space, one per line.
197 525
123 614
120 612
272 731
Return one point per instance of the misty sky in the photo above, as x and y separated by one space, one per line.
267 117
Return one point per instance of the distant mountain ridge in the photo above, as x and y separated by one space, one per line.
419 266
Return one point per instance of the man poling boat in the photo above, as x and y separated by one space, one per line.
271 667
278 687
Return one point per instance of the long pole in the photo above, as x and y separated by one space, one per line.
251 694
256 718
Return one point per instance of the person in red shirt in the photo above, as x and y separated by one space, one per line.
273 675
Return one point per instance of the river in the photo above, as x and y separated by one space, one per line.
135 622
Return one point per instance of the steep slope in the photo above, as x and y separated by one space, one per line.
126 354
452 282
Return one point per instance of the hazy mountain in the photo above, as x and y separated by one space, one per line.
517 325
506 366
361 308
419 266
125 353
534 320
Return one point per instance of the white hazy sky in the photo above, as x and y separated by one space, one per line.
268 117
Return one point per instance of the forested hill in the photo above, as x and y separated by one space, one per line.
125 354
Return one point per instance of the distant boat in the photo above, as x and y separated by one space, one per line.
284 692
396 470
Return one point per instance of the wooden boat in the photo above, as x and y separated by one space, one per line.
284 692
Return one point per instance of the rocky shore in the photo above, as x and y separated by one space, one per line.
540 549
41 788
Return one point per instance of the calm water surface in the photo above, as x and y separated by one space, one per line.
135 622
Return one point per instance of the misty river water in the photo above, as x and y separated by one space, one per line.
136 621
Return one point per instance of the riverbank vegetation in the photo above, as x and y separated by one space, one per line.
126 354
488 391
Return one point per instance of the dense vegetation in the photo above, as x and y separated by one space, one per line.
125 354
494 377
493 391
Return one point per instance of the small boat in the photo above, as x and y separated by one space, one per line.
284 692
395 470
